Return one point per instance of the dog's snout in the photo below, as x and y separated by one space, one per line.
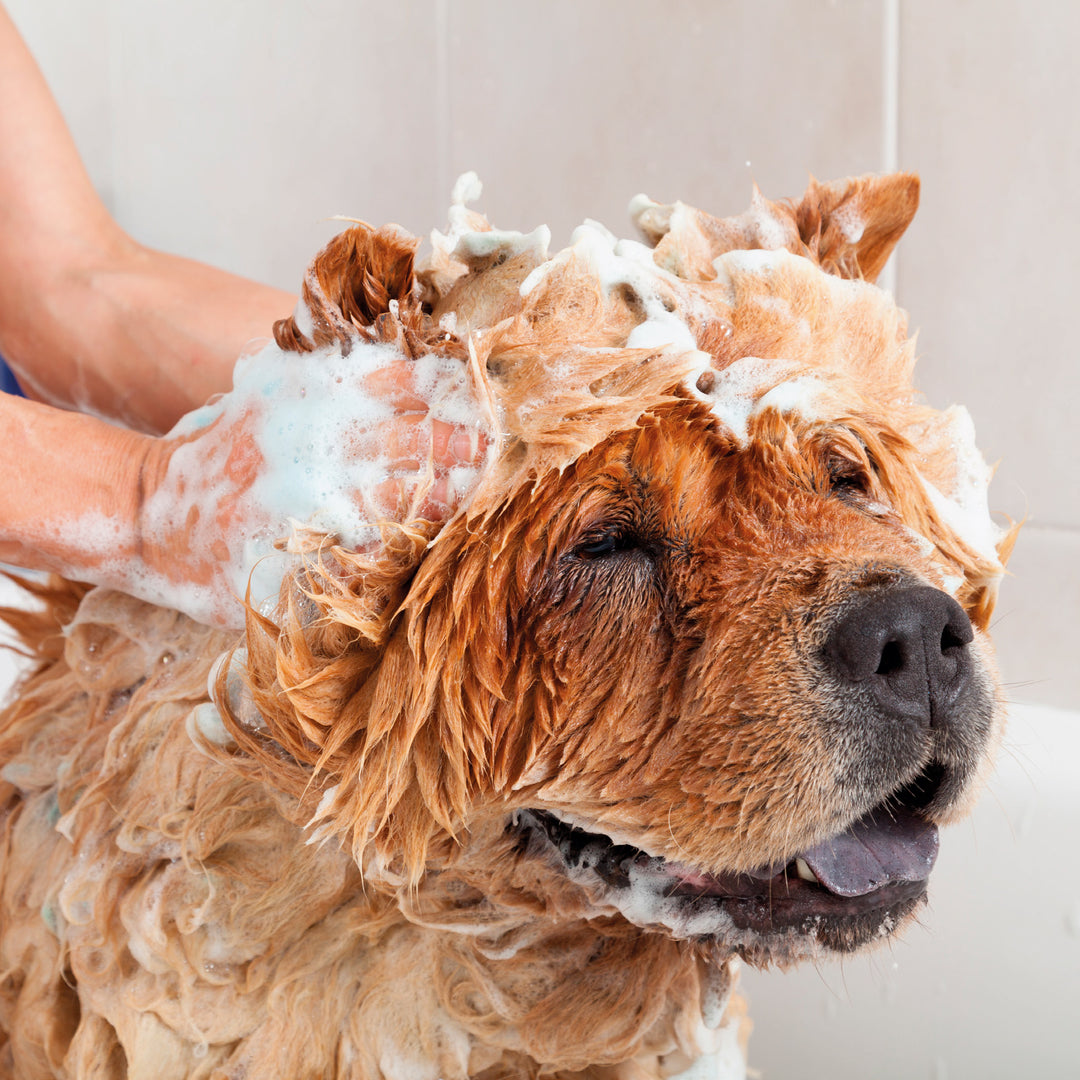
908 647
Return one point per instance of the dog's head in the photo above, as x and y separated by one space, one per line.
708 639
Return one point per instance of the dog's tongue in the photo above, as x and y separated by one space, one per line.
885 846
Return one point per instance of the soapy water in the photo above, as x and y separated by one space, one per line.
328 454
317 441
966 508
314 441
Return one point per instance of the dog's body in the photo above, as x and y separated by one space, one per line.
588 747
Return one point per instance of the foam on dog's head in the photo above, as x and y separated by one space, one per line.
759 325
848 227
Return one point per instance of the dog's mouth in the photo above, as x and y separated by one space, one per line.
842 892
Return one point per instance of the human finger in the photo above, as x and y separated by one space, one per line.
410 441
453 444
397 500
395 385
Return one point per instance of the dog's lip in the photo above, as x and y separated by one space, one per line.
887 850
887 846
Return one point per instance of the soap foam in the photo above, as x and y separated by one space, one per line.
965 508
849 221
322 441
625 264
750 385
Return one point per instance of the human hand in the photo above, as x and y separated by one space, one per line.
340 445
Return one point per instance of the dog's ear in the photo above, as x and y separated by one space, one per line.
350 283
362 689
323 689
851 226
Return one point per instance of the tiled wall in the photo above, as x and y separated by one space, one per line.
228 129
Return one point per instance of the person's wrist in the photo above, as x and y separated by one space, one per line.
147 464
73 504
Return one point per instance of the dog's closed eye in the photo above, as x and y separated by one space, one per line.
610 541
851 466
848 477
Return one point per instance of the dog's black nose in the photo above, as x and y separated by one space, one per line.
908 647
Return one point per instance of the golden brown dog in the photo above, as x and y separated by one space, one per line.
692 676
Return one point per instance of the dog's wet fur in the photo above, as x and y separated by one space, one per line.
510 795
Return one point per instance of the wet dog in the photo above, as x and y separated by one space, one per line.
693 675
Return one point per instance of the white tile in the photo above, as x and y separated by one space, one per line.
242 126
989 270
70 41
1036 625
568 109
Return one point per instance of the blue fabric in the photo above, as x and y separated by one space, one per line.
8 383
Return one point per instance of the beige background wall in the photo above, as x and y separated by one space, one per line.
229 129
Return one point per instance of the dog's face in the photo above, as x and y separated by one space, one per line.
709 639
737 655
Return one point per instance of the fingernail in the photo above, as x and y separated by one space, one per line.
463 446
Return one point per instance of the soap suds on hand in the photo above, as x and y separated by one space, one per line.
322 440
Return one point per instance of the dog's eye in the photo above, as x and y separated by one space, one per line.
598 545
849 484
847 477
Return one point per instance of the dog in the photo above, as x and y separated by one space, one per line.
691 678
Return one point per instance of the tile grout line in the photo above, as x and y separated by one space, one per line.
890 128
443 116
890 112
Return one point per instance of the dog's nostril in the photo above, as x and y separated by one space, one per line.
892 659
908 648
950 639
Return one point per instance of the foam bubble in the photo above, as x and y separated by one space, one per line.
204 723
965 508
322 441
752 384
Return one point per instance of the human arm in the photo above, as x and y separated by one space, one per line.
92 320
183 520
62 465
89 318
